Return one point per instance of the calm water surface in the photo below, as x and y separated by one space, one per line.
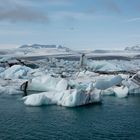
114 119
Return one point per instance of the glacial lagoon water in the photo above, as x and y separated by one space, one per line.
114 119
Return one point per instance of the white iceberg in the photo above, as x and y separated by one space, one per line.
16 71
104 84
102 66
38 99
68 98
43 83
121 92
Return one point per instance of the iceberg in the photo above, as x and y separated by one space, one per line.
133 84
102 66
44 83
38 99
121 92
63 83
65 97
16 71
104 84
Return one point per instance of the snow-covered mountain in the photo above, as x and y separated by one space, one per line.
35 50
38 46
133 48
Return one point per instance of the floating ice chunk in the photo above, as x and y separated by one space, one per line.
109 67
121 92
35 100
39 99
116 80
104 84
133 87
43 83
15 71
69 98
49 83
96 65
102 66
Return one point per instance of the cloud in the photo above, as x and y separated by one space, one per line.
15 11
71 15
58 2
133 19
51 2
105 5
112 6
7 46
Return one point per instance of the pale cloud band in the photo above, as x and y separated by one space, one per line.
133 20
17 11
25 11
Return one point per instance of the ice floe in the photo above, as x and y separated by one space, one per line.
16 71
62 82
121 92
69 98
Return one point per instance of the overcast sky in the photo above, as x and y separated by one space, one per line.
86 24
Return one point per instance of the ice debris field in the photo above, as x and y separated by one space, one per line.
69 83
